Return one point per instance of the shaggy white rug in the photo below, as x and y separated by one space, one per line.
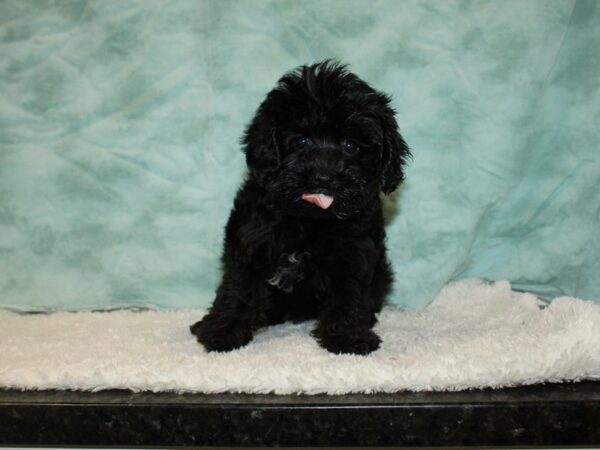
473 335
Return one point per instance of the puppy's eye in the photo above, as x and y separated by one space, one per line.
349 146
302 141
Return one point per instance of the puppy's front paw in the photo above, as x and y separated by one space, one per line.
360 342
220 339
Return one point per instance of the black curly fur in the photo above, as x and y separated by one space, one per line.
287 259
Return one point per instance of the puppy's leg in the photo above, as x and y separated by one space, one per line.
346 322
233 317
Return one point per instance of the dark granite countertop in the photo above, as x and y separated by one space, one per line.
540 415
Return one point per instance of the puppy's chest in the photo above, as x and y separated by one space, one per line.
300 256
290 270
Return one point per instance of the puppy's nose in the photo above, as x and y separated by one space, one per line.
322 177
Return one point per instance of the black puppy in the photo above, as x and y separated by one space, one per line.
305 239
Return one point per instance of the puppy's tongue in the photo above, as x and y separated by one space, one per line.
321 200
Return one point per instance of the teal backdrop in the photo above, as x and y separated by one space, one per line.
120 124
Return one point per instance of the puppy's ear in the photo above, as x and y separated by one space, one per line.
261 148
394 153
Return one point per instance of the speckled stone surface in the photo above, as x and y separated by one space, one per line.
541 415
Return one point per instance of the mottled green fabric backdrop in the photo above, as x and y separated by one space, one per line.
120 123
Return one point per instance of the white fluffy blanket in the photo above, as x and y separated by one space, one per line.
473 335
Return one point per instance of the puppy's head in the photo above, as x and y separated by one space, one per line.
324 143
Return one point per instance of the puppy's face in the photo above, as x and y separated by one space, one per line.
324 144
